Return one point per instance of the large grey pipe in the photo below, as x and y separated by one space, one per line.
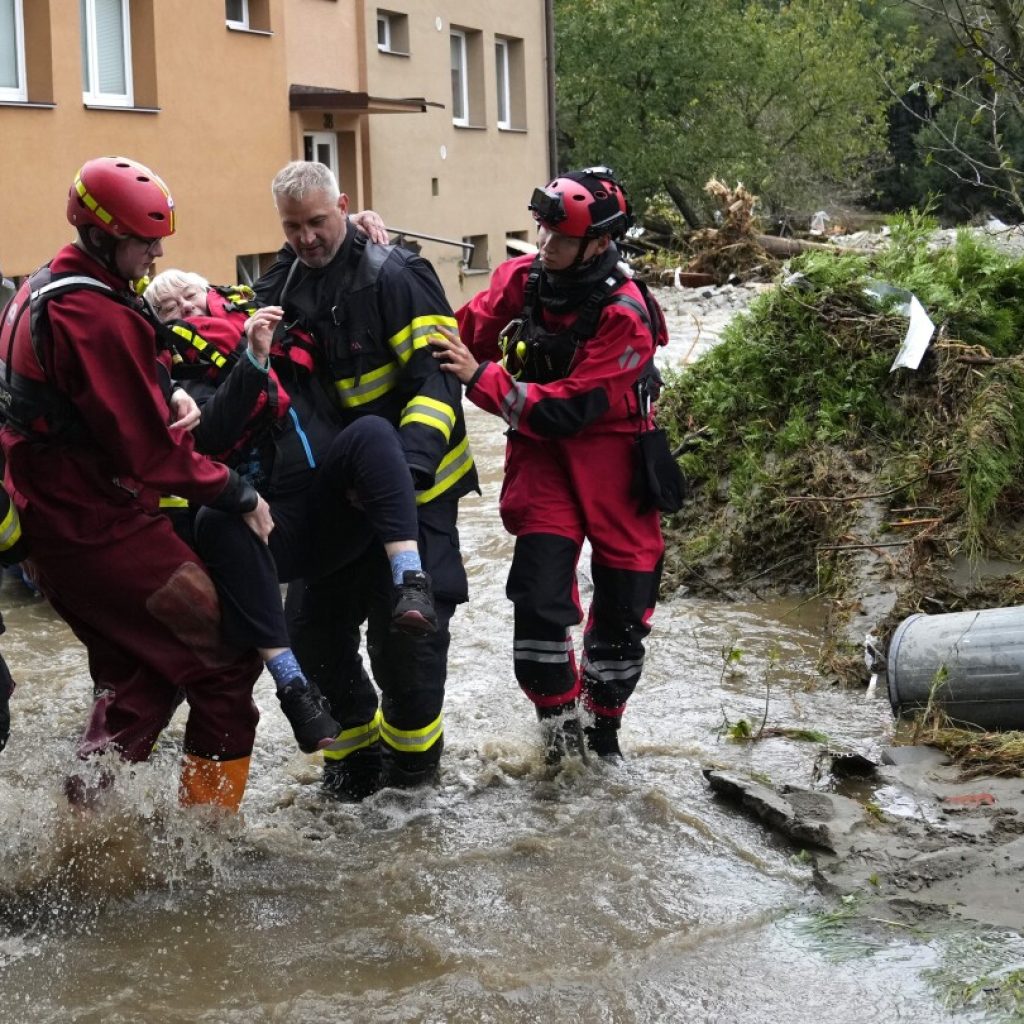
970 665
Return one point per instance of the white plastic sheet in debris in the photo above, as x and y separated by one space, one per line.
919 333
818 222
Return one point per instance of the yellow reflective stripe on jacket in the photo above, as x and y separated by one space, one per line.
417 333
173 501
244 296
356 391
455 465
431 413
356 738
10 529
200 344
412 741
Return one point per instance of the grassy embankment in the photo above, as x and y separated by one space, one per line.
806 451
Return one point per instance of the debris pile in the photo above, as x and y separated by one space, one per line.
821 469
735 250
731 250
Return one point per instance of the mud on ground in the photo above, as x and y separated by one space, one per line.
916 837
929 844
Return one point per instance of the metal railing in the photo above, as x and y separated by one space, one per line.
466 247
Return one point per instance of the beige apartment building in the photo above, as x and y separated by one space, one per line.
434 114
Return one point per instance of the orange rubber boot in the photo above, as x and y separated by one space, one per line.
217 783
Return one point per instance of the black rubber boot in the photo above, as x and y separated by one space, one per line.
355 777
603 738
410 771
560 732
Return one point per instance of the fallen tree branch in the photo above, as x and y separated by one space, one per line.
794 498
777 246
865 547
983 360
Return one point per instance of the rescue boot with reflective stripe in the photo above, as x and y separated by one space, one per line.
560 732
603 738
216 783
309 713
355 776
413 604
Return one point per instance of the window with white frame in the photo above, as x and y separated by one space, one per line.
510 67
468 85
106 53
322 148
247 16
392 32
501 66
460 79
12 51
236 13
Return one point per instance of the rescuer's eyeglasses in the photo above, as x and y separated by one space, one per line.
150 244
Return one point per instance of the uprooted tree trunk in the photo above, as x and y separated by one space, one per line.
683 205
783 247
731 248
736 247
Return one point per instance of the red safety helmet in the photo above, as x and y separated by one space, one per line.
583 204
121 197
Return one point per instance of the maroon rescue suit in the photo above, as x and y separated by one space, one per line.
569 469
88 492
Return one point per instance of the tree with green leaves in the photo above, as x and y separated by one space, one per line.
969 105
787 97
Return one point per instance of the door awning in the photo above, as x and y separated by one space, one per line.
318 97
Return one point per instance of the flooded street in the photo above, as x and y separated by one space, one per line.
512 893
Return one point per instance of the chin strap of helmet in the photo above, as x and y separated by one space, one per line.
577 263
103 250
580 264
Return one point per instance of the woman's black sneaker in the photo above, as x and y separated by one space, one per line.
309 713
412 609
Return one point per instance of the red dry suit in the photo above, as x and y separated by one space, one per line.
205 349
12 551
569 467
87 486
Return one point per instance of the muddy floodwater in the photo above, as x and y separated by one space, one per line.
513 892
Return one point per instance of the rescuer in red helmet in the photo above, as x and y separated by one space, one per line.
561 346
91 443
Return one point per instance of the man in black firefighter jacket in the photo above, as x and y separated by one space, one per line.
368 311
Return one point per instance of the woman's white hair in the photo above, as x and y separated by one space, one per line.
300 177
171 282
